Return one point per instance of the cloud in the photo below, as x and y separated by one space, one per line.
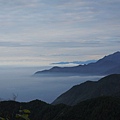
75 62
71 44
65 28
10 44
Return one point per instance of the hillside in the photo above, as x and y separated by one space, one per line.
98 100
105 66
107 86
102 108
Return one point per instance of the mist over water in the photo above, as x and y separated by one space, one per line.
19 81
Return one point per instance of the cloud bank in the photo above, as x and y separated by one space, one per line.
52 31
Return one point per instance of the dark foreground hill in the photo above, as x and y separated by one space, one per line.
106 107
107 86
102 108
107 65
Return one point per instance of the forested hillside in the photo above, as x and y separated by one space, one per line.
102 108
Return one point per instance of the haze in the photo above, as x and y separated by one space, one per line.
20 82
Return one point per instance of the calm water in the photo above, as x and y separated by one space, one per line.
19 81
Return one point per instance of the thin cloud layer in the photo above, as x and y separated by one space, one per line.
48 29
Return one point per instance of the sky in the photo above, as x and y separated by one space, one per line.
41 32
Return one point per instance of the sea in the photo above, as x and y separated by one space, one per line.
20 84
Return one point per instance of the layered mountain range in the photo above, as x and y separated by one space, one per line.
107 65
91 100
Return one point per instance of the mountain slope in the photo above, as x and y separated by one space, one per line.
107 65
107 86
102 108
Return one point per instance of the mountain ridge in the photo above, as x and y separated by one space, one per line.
103 66
75 62
106 86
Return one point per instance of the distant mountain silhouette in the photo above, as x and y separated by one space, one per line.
75 62
107 86
105 66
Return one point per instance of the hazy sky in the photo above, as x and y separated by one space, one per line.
40 32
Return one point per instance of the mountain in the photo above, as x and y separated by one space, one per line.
102 108
75 62
100 101
105 66
107 86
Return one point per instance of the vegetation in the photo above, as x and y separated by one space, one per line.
96 108
102 108
22 115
